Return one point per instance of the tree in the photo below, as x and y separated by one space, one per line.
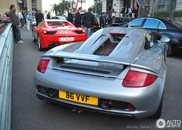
73 4
55 8
99 8
82 1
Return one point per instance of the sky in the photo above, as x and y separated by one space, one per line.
46 4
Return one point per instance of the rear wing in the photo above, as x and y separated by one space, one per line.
105 63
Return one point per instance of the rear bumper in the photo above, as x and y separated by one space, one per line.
81 107
48 41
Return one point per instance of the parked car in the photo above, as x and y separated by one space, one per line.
120 21
59 17
161 27
50 33
116 71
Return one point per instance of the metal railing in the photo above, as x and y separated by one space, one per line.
6 58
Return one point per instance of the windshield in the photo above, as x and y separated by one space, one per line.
118 20
56 23
63 18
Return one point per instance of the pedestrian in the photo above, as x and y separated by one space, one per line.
70 16
109 20
88 21
39 17
122 12
136 12
130 12
28 20
112 10
21 19
24 17
48 15
4 15
7 15
125 11
15 24
102 20
112 14
78 19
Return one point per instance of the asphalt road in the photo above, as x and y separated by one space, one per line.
30 113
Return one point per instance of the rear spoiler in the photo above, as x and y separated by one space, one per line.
96 58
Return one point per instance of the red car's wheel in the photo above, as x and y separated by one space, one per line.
39 44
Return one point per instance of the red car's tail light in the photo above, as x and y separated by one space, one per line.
42 66
138 79
44 31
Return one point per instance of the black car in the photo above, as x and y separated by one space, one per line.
120 21
162 27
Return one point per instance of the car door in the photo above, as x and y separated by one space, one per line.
155 26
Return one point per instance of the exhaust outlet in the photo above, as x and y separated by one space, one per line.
106 104
51 93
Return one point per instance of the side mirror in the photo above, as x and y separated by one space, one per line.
165 39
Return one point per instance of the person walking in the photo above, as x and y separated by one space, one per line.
39 17
88 21
15 24
21 19
122 12
7 15
4 15
109 20
102 20
24 17
136 12
70 16
28 20
48 15
78 19
125 11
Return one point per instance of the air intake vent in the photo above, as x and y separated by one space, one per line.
51 33
79 32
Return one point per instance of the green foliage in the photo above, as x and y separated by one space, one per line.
63 6
99 8
167 13
82 1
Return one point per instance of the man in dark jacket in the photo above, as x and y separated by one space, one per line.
70 16
39 17
78 19
88 21
48 15
102 20
15 23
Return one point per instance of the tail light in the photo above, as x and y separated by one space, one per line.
44 31
83 30
42 66
138 79
96 21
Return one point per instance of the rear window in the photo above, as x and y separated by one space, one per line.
56 23
109 44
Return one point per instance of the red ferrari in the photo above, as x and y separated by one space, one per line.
50 33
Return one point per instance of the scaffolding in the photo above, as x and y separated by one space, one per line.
147 8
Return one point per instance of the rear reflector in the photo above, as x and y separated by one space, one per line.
42 66
138 79
130 106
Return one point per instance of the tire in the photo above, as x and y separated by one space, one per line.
33 38
157 115
39 44
169 51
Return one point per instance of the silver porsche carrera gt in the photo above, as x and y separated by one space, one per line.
118 71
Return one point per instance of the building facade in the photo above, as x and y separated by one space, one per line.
117 5
159 5
27 5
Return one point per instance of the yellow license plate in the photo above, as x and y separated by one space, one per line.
78 98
